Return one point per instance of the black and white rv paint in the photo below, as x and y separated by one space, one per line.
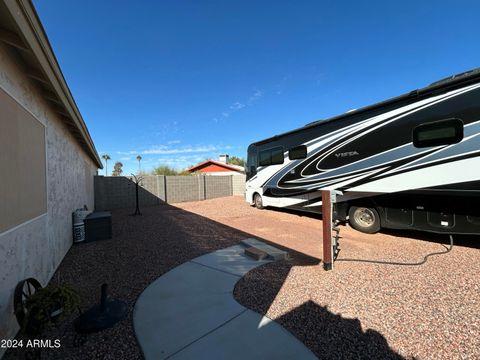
369 155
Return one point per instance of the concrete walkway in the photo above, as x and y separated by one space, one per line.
190 313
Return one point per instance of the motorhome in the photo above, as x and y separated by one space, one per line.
411 162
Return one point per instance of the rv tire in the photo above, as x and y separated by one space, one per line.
364 219
258 202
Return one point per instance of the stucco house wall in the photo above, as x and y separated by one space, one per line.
36 247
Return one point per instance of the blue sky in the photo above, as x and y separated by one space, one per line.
181 81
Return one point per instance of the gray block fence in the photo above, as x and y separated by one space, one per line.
114 192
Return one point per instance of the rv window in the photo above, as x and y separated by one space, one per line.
443 132
270 157
277 156
251 168
265 158
298 152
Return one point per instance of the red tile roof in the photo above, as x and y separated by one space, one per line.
218 163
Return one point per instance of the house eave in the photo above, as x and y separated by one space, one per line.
25 33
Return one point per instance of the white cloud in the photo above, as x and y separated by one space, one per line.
255 97
177 156
184 150
128 152
281 85
137 152
174 142
237 105
181 161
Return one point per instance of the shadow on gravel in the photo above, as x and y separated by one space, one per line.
471 241
142 248
299 213
327 335
145 247
332 336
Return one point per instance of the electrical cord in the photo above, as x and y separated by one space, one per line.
425 258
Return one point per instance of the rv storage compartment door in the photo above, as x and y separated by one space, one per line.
441 220
399 217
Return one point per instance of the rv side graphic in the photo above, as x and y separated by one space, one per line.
411 162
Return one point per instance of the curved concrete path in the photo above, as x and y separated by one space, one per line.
190 313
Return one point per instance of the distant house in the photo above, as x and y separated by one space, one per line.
221 167
47 157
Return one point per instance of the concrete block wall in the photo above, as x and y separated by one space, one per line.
115 192
151 191
184 188
238 184
218 186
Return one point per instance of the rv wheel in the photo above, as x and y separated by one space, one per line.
257 200
364 219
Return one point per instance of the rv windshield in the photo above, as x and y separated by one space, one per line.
251 169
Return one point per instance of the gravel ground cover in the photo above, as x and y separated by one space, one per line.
142 249
362 310
359 310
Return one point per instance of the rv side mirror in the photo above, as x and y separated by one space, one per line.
436 133
297 152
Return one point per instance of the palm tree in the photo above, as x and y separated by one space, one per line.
106 157
139 158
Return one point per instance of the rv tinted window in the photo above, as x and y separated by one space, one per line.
277 156
264 158
298 152
270 157
443 132
251 168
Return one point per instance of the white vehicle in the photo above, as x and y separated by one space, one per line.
411 162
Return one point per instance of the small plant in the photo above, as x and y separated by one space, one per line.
48 306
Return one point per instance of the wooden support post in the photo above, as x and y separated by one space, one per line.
327 230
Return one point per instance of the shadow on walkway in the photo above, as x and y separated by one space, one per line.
327 335
145 247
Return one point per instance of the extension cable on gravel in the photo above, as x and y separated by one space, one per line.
425 258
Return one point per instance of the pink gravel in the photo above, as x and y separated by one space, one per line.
142 249
362 310
358 310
